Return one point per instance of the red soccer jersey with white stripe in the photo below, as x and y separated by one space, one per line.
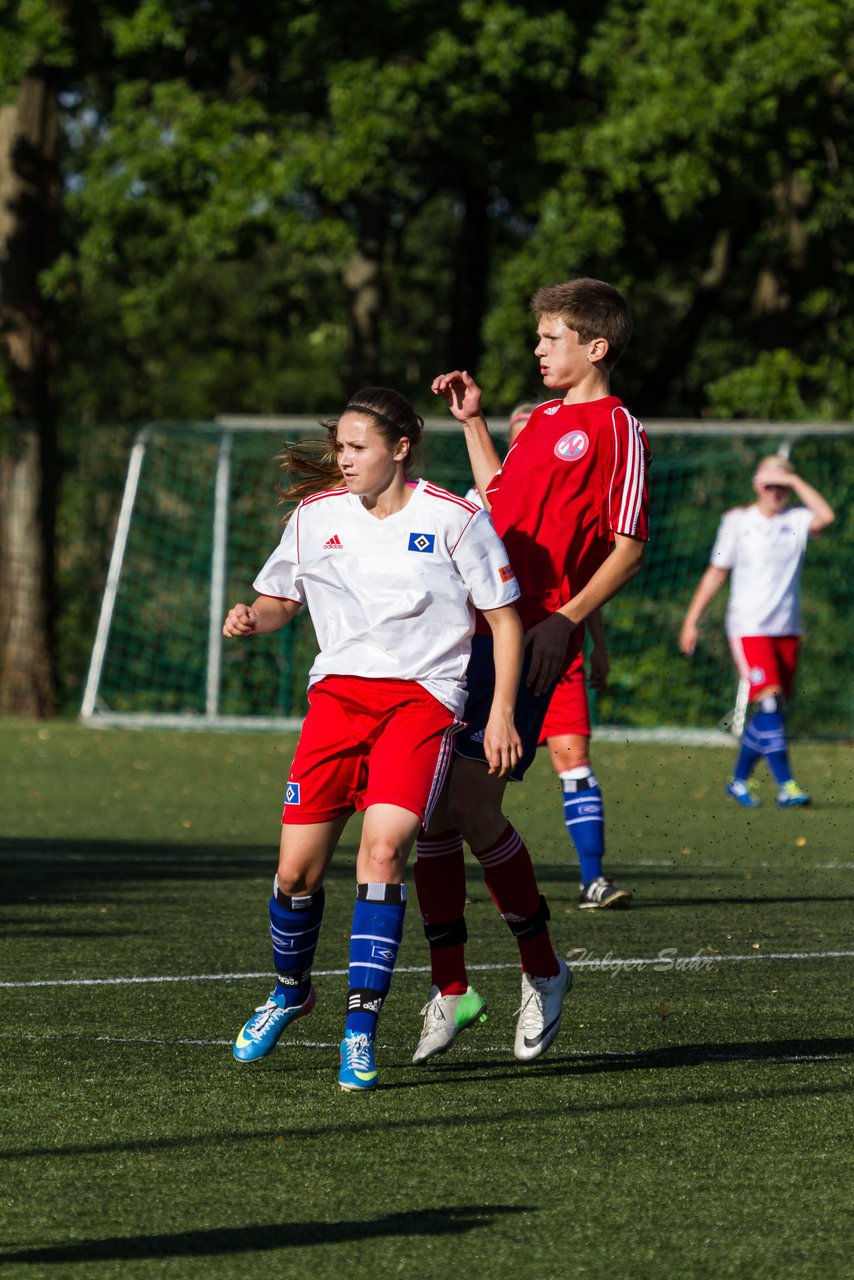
576 476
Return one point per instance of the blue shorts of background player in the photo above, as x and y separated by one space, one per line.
530 711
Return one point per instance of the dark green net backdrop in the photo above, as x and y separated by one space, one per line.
156 657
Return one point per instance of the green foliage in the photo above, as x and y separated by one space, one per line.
32 32
708 173
377 193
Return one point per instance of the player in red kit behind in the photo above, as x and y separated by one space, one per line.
571 505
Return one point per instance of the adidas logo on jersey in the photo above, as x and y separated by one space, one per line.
334 544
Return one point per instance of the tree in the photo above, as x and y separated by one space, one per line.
710 174
29 237
368 160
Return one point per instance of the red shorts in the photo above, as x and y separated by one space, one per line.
568 710
765 661
367 742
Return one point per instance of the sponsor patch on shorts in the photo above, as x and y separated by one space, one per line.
292 793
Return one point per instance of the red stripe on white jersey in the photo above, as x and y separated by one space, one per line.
436 492
337 492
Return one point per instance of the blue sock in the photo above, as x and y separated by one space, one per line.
749 752
584 815
294 928
771 727
374 944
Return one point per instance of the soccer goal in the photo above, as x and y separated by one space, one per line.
199 516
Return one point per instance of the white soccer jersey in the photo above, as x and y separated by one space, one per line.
766 555
392 598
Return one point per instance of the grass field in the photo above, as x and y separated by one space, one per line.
691 1120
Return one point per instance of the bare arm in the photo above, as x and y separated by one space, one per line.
823 514
462 396
267 613
600 664
548 639
501 743
707 588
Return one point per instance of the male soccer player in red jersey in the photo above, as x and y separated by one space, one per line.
566 734
571 505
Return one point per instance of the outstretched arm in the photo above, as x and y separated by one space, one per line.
462 396
600 663
501 743
707 588
267 613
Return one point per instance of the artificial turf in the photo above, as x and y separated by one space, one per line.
692 1119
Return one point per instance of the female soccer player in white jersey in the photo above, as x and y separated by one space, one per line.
391 570
764 546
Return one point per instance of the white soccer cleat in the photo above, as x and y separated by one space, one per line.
540 1012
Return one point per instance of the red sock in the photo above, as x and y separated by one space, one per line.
510 878
440 883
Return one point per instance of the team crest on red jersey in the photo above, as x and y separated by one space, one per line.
572 446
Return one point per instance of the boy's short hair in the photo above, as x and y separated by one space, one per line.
592 308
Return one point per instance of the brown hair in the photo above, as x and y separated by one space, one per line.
592 308
314 462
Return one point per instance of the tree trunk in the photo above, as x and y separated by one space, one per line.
363 282
471 270
29 211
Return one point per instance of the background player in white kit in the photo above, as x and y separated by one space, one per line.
764 546
391 570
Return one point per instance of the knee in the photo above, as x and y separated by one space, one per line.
291 879
384 860
572 754
569 751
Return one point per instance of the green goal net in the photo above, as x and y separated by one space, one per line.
199 517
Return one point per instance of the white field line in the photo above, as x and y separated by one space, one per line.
686 860
464 1048
665 961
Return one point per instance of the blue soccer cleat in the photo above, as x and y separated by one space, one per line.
742 792
260 1034
790 796
358 1063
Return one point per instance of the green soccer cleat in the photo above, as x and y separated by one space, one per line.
790 796
444 1018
